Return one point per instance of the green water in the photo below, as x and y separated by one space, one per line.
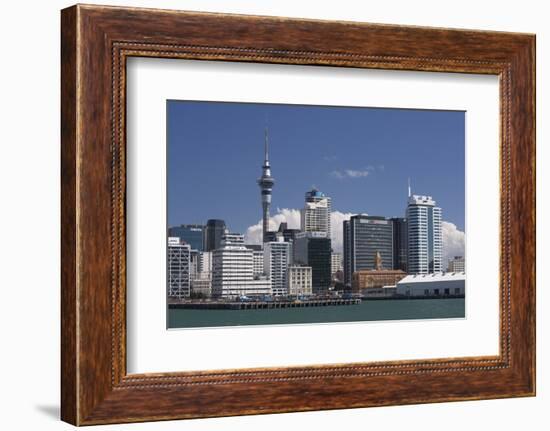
365 311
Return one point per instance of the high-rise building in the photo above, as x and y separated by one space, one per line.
346 238
258 261
335 263
315 216
288 234
258 258
266 183
314 249
205 262
194 257
214 232
192 234
364 237
424 235
456 264
233 270
271 236
178 268
400 243
201 281
299 280
276 260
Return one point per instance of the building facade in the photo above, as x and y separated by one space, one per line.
375 279
433 285
364 237
299 280
289 235
346 238
315 216
258 261
178 268
233 270
314 249
424 235
205 262
201 280
192 234
201 285
400 243
456 264
194 257
277 258
214 231
335 263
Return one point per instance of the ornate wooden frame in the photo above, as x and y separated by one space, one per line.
95 43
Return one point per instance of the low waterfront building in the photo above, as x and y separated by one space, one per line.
456 264
433 285
364 280
299 280
178 255
373 279
385 292
233 270
201 285
276 260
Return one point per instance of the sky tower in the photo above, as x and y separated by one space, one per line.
266 183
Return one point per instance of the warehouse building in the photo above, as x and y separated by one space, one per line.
433 285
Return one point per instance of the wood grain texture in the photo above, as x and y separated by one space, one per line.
96 41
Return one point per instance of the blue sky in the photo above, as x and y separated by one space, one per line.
360 157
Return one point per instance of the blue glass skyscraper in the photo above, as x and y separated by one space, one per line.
192 234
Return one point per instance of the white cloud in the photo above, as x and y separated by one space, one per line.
356 174
453 239
453 242
352 173
337 230
253 234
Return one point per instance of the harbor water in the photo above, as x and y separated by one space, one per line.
367 310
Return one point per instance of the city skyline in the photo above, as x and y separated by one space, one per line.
192 125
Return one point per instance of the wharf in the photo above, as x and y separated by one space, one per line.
260 305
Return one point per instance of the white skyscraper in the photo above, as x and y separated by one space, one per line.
315 216
258 260
233 270
424 235
178 268
205 262
277 257
335 263
201 281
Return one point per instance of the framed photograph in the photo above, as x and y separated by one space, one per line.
265 215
